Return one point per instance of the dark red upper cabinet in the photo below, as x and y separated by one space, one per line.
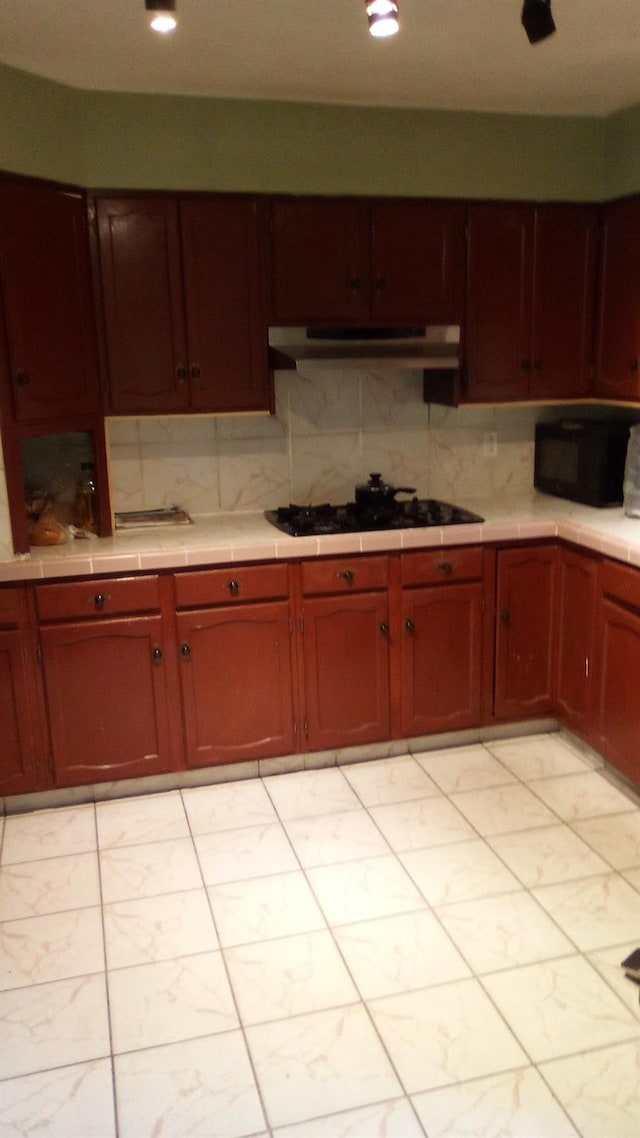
45 281
530 301
224 294
418 261
564 278
499 289
618 361
139 243
320 265
360 261
183 304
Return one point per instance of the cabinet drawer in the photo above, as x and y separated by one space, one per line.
437 566
97 598
622 582
232 585
11 606
345 574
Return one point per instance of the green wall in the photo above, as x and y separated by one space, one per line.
106 139
622 152
41 129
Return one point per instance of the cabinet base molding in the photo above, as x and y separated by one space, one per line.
263 768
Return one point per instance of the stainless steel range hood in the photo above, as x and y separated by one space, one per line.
421 348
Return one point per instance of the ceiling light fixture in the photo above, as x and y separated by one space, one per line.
383 18
162 15
537 20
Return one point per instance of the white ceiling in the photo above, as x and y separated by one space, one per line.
450 54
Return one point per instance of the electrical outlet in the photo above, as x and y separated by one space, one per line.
490 444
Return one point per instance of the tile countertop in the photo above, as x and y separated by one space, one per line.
223 538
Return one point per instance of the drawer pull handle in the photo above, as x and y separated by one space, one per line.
635 363
347 575
185 652
446 567
233 587
22 379
505 617
182 373
157 655
384 629
410 627
100 601
195 371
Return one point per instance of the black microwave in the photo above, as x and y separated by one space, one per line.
581 460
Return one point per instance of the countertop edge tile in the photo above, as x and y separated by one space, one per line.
216 539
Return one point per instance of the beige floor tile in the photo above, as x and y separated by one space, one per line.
320 1063
516 1104
291 976
442 1035
599 1090
68 1101
200 1087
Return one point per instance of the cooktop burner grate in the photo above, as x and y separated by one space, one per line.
317 521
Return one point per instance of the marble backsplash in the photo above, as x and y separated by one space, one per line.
328 433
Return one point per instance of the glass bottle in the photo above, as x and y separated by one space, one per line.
86 500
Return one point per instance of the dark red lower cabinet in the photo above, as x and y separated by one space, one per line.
346 666
237 683
441 658
109 699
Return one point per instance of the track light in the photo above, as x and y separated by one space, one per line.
161 15
383 17
537 20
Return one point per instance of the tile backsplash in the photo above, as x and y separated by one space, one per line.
327 434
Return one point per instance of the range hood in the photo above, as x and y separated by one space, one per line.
420 348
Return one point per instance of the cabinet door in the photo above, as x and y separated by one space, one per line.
441 658
498 316
618 686
525 672
45 281
577 597
319 260
618 371
108 699
17 753
418 261
563 301
346 662
140 267
226 336
237 686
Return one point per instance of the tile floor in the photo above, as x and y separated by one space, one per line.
423 945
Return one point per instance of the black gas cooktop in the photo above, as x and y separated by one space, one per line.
316 521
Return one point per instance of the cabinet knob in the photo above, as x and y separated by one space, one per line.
384 629
505 616
195 371
354 282
100 601
410 627
634 365
22 379
157 655
182 373
347 575
446 567
233 587
185 652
